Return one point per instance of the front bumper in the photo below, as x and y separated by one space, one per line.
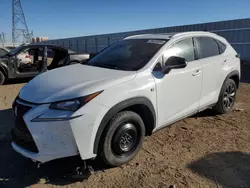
55 139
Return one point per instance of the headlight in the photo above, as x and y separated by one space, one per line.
73 104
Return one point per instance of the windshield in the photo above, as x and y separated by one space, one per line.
15 50
129 55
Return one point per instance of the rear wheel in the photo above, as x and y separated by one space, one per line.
2 78
227 97
122 138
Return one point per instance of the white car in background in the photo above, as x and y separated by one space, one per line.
24 57
129 90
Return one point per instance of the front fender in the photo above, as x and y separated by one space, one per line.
117 108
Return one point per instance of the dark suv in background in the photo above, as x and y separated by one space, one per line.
42 58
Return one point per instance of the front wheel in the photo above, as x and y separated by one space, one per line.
2 78
122 138
227 97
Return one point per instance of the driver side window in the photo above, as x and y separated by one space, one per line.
183 49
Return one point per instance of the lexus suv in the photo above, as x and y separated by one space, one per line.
106 107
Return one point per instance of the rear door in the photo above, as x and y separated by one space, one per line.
208 53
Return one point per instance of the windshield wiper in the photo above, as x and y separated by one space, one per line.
110 66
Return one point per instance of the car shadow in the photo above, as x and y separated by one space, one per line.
6 123
18 171
228 169
206 113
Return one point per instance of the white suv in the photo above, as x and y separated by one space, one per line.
129 90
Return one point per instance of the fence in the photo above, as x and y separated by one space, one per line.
237 32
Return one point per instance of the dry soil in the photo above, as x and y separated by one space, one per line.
206 150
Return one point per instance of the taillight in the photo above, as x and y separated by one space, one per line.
27 56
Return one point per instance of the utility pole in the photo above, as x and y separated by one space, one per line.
2 37
19 25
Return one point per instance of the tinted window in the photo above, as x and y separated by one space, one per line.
127 54
222 47
3 52
184 49
207 47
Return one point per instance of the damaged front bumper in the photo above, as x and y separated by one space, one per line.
43 141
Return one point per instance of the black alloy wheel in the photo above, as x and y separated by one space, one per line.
227 97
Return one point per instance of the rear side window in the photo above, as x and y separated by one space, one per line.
222 47
183 48
206 47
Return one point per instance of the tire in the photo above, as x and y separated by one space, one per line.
227 97
122 138
2 78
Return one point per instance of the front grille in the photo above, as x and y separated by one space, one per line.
20 133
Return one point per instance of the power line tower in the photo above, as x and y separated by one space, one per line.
19 25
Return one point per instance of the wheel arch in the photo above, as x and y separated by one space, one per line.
4 70
140 105
234 75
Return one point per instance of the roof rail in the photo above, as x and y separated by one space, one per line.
131 36
148 34
191 32
172 33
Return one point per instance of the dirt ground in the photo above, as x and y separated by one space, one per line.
206 150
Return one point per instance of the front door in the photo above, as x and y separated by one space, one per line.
178 92
28 62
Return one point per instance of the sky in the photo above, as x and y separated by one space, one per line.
72 18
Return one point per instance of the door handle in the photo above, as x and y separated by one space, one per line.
197 72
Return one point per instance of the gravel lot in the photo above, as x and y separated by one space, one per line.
206 150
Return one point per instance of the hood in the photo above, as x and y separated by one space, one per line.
71 82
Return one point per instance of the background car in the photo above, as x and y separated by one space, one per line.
31 60
5 50
24 56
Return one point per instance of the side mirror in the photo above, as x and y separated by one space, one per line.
174 62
